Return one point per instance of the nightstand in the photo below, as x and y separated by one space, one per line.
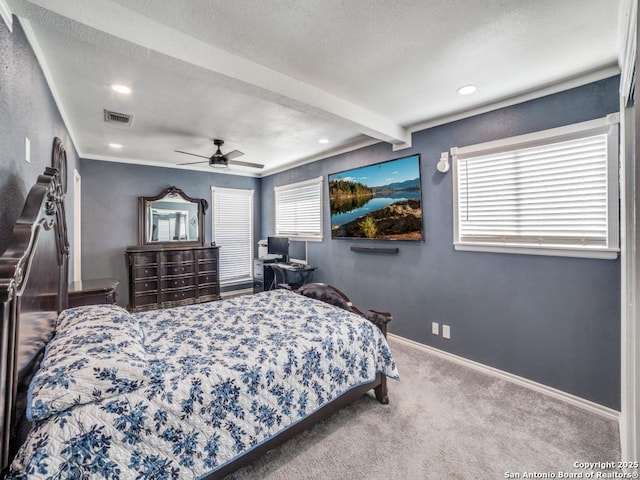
93 292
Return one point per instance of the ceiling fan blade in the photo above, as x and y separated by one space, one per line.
194 154
192 163
233 154
245 164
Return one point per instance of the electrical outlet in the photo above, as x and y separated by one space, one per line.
435 328
446 331
27 150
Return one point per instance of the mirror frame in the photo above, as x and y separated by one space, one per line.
143 212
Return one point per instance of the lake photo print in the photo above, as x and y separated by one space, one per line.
379 201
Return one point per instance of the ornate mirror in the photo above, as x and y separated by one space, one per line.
171 218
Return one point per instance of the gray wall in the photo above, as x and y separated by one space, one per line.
553 320
27 109
110 194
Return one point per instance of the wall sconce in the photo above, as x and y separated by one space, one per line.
443 163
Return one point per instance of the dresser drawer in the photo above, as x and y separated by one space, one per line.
209 291
180 256
207 278
146 286
183 269
146 272
146 299
178 282
208 254
208 266
144 259
178 295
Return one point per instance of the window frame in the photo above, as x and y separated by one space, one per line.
308 236
607 125
249 193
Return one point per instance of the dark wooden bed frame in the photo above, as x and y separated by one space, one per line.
33 291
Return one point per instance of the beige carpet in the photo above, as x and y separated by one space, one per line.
445 421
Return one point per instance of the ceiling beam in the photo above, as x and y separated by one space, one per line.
185 52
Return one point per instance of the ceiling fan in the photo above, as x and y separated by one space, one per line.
220 160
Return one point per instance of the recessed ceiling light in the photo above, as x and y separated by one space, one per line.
324 140
467 90
121 89
115 145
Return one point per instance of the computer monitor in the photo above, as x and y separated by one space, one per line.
278 246
298 251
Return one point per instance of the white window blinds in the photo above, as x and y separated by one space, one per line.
558 192
299 210
233 232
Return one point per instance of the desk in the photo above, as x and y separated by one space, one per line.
295 274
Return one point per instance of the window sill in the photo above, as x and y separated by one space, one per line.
299 238
236 281
608 254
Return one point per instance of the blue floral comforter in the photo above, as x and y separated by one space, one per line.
178 393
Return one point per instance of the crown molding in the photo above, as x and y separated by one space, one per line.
594 76
627 28
46 71
5 13
149 163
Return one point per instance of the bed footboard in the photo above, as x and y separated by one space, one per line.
330 294
380 319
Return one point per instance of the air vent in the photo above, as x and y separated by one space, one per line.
118 118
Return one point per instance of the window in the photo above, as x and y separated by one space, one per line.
299 210
550 193
233 233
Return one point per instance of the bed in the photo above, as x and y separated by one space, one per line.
188 392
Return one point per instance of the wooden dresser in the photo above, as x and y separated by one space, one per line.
169 277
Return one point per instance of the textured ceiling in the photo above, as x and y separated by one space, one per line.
271 78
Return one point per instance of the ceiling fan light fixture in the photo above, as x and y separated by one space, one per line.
218 161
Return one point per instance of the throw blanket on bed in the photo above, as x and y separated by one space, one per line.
177 393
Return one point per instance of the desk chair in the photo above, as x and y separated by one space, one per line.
279 277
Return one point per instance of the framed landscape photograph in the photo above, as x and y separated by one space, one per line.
379 201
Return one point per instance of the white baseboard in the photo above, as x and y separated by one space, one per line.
530 384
